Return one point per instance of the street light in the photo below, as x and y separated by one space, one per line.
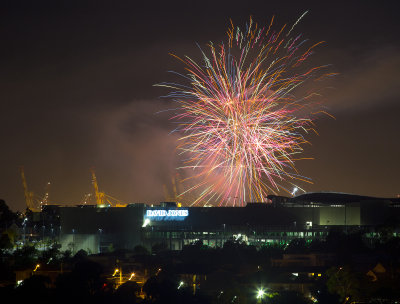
36 267
120 274
260 294
24 225
100 231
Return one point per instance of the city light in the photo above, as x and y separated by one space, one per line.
260 293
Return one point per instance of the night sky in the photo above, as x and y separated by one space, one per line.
77 92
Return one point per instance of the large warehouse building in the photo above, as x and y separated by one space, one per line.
282 219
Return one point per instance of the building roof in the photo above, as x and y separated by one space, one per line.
338 197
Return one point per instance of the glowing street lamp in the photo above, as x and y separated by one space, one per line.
260 294
132 275
36 267
120 274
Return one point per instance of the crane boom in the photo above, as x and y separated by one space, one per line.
98 194
102 199
28 195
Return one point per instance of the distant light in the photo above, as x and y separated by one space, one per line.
103 205
36 268
294 191
146 222
132 275
237 237
181 283
260 293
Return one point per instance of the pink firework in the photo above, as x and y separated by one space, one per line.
241 124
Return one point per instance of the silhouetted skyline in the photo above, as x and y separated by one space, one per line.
77 92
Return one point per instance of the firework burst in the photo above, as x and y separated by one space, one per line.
241 124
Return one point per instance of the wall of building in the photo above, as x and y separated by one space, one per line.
101 229
76 242
339 216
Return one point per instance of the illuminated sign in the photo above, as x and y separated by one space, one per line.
167 215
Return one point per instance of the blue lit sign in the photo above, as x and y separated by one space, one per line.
167 215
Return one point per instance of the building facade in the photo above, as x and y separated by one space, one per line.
282 219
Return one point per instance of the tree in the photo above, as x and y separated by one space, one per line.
343 282
83 282
140 250
26 257
319 291
297 246
289 296
161 289
159 247
81 255
52 255
127 293
35 289
5 242
226 287
7 217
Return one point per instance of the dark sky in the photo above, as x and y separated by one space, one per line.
77 92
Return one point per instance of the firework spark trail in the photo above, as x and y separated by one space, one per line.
241 127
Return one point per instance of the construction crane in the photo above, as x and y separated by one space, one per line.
102 199
86 199
33 202
45 199
99 195
176 190
28 195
